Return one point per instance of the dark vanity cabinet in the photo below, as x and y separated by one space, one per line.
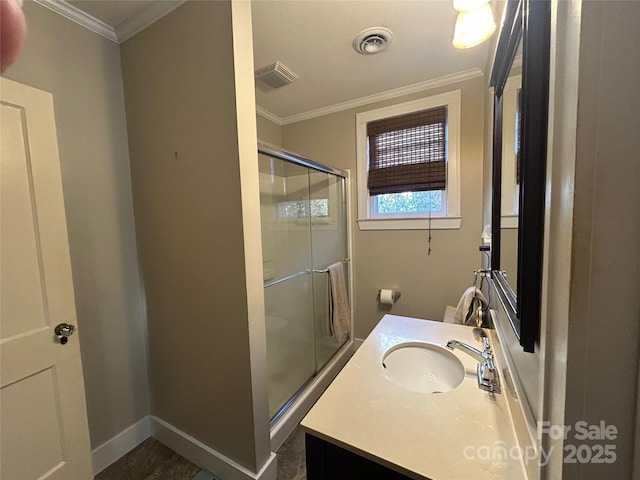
326 461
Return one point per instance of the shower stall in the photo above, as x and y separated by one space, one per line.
304 230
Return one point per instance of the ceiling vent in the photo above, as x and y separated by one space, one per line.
372 40
276 75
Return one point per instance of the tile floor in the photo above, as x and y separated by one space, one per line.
291 457
151 460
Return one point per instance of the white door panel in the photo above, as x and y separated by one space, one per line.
43 423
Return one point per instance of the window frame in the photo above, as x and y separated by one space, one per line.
510 202
450 218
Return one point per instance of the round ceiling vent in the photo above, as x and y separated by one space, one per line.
372 40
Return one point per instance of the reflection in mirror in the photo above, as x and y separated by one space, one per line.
508 162
524 137
510 201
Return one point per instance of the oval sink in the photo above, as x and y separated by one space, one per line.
423 367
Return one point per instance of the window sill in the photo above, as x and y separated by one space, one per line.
439 223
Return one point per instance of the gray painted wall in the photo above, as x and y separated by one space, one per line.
180 92
269 131
82 71
604 312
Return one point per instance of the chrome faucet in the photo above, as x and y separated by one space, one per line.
488 378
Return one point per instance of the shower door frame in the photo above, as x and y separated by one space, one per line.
293 411
274 151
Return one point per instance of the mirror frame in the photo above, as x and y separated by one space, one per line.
529 20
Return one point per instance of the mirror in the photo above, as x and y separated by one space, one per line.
519 162
510 195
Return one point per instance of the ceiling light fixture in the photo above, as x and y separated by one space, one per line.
372 40
467 5
473 25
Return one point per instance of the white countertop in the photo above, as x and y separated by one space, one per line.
446 436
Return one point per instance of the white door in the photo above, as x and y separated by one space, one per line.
43 417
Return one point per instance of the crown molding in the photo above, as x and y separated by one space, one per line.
377 97
145 17
268 115
127 29
387 95
81 18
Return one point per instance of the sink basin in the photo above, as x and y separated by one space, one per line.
423 367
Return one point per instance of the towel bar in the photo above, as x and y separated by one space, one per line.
325 270
307 271
275 282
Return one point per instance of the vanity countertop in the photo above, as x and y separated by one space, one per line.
456 435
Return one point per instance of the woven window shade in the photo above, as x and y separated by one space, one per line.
408 153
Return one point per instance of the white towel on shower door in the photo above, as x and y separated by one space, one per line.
338 324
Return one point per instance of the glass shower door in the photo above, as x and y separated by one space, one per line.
329 245
286 245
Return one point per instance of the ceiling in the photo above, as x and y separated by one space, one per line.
314 39
111 12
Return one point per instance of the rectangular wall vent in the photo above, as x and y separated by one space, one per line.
276 75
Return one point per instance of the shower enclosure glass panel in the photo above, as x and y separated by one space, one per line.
286 247
303 229
329 245
290 340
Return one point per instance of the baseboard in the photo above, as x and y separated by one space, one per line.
357 342
113 449
206 457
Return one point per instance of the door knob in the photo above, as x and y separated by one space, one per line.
62 331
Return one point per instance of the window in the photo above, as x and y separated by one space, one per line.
295 196
408 164
511 143
316 208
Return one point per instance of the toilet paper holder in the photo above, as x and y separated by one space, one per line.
384 299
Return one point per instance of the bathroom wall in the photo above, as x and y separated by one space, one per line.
593 348
396 258
82 71
268 131
188 135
